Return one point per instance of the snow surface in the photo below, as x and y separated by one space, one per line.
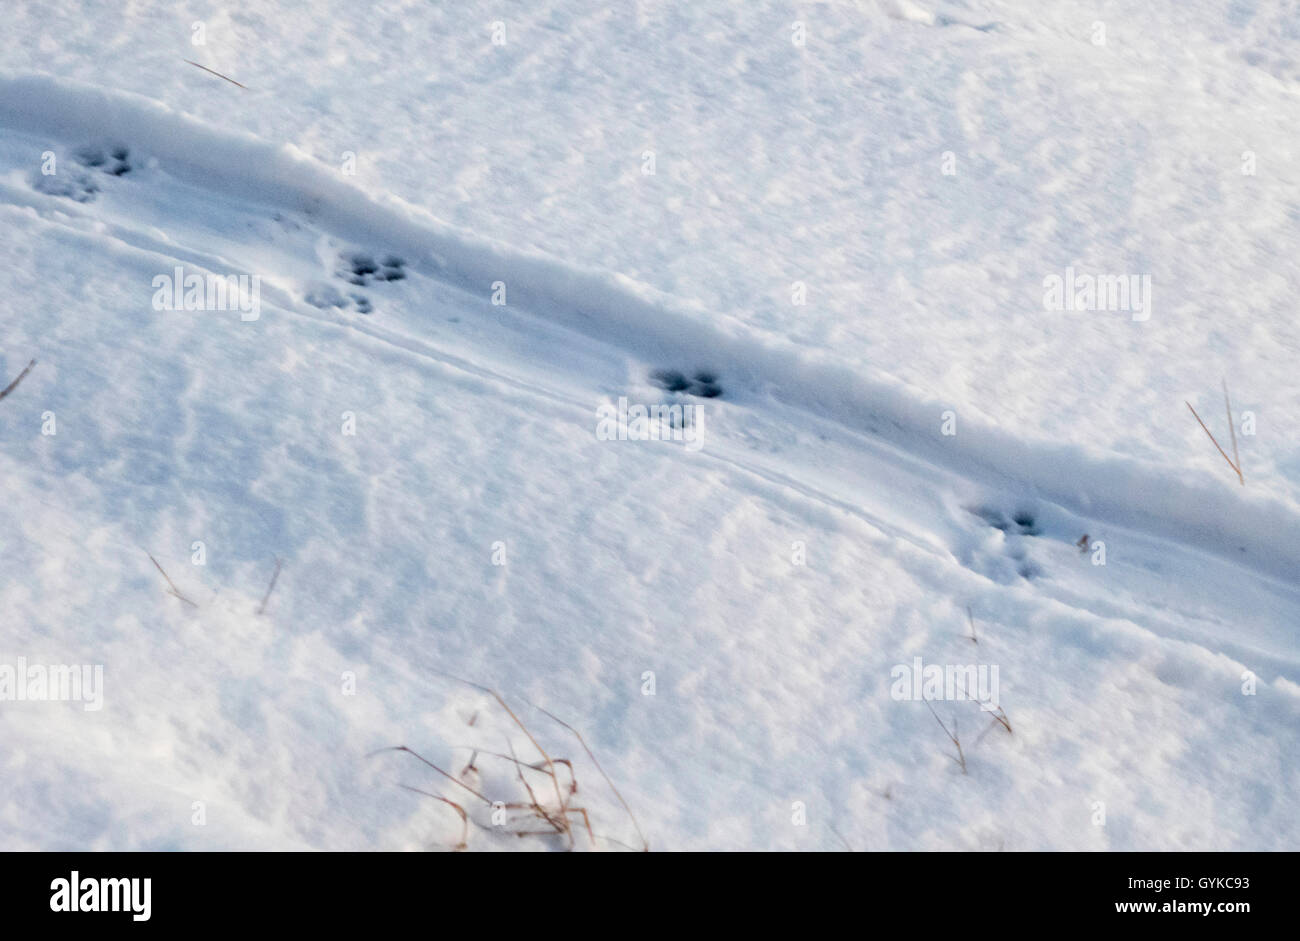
476 423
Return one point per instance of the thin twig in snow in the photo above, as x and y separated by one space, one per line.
217 74
21 376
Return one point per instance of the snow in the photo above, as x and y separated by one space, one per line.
476 526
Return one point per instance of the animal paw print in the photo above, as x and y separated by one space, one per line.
70 184
324 296
78 183
114 160
704 384
361 268
1015 529
1021 522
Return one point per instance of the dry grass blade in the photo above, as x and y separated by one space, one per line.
464 817
1000 718
217 74
555 780
538 766
556 819
561 825
645 845
586 821
952 736
1232 430
1216 443
987 705
171 586
993 710
21 376
261 609
457 781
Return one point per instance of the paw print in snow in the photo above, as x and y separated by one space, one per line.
114 160
705 384
360 268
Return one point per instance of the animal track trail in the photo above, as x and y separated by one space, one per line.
79 175
1190 510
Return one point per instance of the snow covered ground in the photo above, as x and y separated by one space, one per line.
476 228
